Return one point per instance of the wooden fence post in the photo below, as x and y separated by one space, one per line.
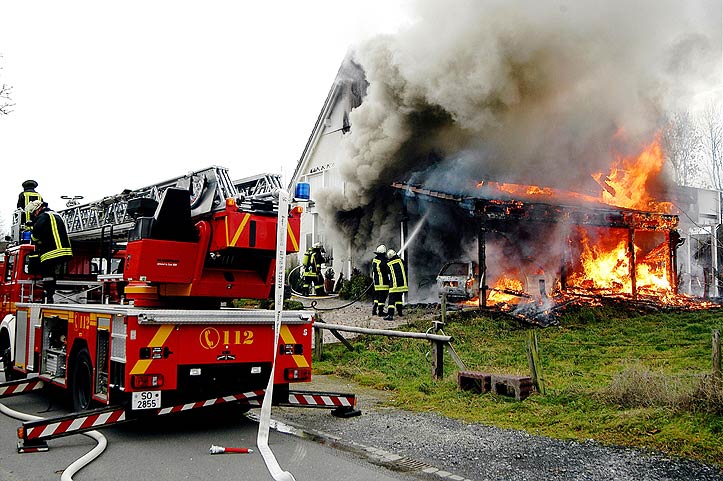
318 343
438 346
533 358
437 359
717 375
438 350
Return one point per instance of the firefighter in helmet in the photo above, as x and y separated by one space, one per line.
380 275
398 284
52 245
313 281
26 196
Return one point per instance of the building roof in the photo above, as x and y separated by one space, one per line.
348 73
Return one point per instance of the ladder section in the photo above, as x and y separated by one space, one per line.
259 187
209 189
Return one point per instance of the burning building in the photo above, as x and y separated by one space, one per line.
544 251
526 137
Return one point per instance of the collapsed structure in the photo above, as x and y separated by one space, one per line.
557 249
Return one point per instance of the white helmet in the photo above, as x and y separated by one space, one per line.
381 249
391 253
32 206
317 245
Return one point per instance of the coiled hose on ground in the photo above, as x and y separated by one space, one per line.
79 463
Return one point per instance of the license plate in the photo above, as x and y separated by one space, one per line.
146 400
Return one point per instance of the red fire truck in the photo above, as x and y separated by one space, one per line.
143 319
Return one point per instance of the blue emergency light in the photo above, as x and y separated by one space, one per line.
302 191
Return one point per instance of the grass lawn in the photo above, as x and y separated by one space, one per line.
614 374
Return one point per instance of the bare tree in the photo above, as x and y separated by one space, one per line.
711 131
682 144
6 104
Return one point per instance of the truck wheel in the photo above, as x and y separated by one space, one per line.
81 381
7 364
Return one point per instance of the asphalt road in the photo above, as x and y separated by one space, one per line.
176 448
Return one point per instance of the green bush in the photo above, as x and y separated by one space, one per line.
356 287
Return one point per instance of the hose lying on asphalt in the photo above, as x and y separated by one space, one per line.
79 463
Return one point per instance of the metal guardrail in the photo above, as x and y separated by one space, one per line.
438 341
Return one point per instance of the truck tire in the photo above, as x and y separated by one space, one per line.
81 383
7 364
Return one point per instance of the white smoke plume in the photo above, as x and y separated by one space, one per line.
527 91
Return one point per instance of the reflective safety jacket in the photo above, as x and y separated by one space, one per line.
313 259
398 275
24 199
380 273
50 237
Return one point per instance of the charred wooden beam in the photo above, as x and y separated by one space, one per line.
482 266
512 210
631 256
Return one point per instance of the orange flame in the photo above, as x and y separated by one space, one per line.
504 291
602 258
608 268
627 183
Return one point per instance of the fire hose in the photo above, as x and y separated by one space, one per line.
262 437
315 298
301 295
79 463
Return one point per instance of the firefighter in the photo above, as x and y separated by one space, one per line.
313 280
25 197
397 284
52 245
380 275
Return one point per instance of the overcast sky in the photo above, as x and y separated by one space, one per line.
115 95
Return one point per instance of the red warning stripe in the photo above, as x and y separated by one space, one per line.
320 400
55 428
19 388
211 402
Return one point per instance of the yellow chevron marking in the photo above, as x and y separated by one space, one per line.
291 236
159 338
240 230
288 338
225 221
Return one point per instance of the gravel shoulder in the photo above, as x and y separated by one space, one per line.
435 447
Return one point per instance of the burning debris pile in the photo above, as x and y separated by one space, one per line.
550 248
540 248
541 122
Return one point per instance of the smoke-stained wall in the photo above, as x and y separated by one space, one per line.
528 91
